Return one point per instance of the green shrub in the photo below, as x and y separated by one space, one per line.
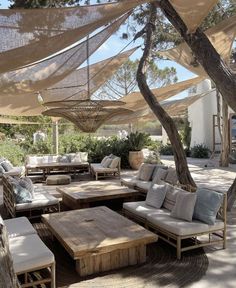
166 150
13 152
200 151
138 140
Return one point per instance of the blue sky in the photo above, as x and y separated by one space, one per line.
114 45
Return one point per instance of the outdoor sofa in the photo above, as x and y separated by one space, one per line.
27 199
177 215
33 262
109 166
45 164
6 168
149 174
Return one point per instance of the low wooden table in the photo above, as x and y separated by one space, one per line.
99 239
83 194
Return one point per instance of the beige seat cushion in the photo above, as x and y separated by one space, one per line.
181 227
129 182
19 227
58 179
144 185
142 209
159 176
97 167
29 252
40 200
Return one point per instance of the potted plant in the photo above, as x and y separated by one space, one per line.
137 142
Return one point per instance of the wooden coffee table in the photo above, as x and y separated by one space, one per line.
83 194
99 239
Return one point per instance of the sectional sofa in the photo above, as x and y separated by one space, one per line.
47 163
177 215
28 253
149 174
40 200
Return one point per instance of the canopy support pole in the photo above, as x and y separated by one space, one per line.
55 137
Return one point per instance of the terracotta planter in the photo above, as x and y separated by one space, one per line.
135 159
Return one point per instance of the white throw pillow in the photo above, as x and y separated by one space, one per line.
107 163
184 206
76 158
160 175
146 171
114 163
156 195
104 160
84 156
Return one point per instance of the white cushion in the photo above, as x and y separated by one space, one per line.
181 227
129 181
184 206
29 252
171 196
141 209
15 171
107 163
39 200
156 195
76 158
104 160
114 163
171 176
146 171
144 185
84 156
97 167
19 227
160 175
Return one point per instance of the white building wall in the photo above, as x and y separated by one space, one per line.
200 115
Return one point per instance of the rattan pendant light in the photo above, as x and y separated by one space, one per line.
87 114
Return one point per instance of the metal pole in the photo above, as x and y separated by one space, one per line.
55 137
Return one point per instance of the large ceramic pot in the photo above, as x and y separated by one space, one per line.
135 159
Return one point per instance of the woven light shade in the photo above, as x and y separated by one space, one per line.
87 115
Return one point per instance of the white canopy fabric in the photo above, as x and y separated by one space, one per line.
23 32
141 111
135 100
75 85
28 104
221 36
193 12
44 74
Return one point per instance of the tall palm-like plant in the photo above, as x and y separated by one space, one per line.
137 140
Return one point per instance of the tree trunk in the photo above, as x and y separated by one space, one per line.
224 157
182 170
206 55
231 196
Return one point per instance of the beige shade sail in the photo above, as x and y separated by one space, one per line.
24 32
44 74
193 12
175 108
75 85
135 101
221 36
28 104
